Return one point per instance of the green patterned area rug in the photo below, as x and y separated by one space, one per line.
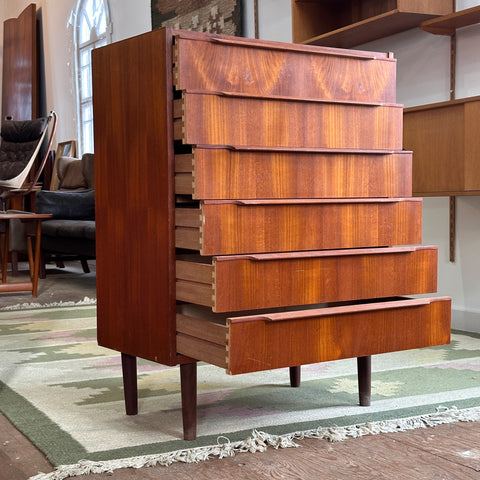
65 394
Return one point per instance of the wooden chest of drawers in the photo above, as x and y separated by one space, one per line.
254 209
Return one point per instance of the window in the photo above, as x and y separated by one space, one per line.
92 30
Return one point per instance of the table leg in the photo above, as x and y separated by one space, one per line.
36 258
5 251
30 257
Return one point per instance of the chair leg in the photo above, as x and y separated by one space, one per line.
14 262
86 268
59 261
42 269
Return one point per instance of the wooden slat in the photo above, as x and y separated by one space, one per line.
447 24
184 163
188 238
178 129
400 302
209 331
214 119
187 217
197 272
183 184
275 45
201 350
199 293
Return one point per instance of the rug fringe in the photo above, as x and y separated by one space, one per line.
259 442
33 305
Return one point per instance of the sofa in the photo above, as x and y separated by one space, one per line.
71 230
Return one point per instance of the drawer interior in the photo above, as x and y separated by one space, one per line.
278 338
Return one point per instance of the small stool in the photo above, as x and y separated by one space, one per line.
33 258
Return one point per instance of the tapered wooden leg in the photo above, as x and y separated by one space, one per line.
295 376
188 385
84 263
129 369
364 368
5 251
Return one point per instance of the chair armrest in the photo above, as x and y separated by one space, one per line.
78 205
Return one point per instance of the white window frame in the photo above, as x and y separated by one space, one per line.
95 16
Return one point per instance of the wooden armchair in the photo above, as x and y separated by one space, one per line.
19 149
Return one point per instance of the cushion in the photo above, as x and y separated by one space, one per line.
84 229
23 131
73 177
66 205
19 140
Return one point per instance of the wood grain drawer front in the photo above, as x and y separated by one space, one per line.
246 282
280 69
268 341
213 173
283 225
209 119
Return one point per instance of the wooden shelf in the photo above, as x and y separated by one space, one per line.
445 139
346 24
448 24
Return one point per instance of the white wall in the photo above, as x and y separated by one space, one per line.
422 77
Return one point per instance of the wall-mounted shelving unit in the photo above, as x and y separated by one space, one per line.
446 136
347 23
448 24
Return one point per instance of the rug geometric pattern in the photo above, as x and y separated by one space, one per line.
65 392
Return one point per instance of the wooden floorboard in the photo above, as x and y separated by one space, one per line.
448 452
19 459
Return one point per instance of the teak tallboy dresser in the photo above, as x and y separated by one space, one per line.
254 209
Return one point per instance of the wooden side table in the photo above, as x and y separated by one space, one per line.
33 258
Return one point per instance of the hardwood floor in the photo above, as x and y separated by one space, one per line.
444 452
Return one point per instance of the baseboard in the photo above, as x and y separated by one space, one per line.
466 320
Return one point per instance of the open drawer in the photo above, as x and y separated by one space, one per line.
245 282
273 68
213 173
293 225
205 118
273 340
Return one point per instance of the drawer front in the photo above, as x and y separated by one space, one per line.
280 226
268 341
278 69
219 173
209 119
247 282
